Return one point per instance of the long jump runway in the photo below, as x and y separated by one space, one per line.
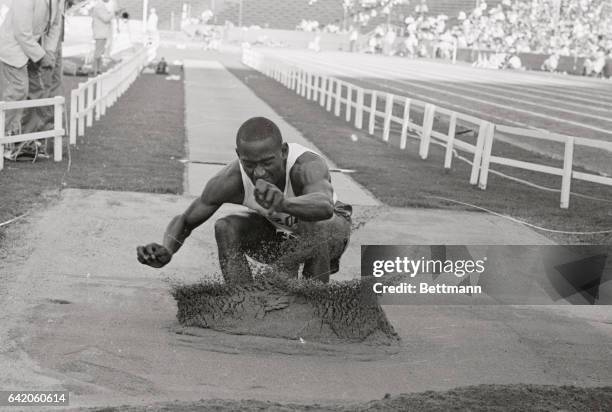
568 105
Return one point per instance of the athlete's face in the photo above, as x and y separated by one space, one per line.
264 159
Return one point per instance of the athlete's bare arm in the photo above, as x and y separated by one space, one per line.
224 187
312 186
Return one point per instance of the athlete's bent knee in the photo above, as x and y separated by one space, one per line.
225 229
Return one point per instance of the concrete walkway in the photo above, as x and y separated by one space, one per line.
217 103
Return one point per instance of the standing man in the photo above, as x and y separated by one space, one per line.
102 30
56 76
295 217
26 34
152 32
354 36
44 82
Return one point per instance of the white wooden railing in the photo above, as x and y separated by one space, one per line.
91 98
334 94
56 133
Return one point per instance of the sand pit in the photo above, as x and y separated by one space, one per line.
278 307
118 341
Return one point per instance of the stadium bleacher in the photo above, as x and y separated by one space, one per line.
164 9
286 14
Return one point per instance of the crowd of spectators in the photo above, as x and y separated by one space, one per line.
576 28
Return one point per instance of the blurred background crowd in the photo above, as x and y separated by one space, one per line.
503 30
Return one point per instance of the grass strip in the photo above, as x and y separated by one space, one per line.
136 146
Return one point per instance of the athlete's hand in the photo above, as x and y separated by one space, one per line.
269 196
153 255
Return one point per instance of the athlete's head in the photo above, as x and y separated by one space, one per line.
261 150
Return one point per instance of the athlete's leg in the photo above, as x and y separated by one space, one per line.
319 245
334 235
238 235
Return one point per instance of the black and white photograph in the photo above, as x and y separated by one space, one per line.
306 205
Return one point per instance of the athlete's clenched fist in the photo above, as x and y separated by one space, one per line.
153 255
268 195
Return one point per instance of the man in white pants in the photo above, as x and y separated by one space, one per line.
27 34
102 31
42 81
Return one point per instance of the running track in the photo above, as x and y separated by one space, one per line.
558 103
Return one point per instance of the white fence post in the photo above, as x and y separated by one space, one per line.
104 88
324 80
373 108
58 119
308 86
482 130
330 93
359 109
81 110
292 78
98 98
73 116
388 113
405 122
452 126
90 101
338 97
428 118
304 83
315 89
567 172
113 90
349 102
486 156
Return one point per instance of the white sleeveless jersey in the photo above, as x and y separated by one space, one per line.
282 221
